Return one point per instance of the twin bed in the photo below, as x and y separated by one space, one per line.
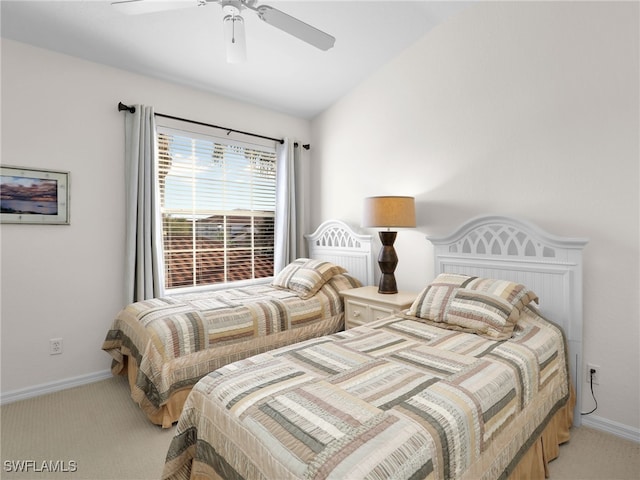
165 345
471 382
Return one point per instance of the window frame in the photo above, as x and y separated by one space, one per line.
210 134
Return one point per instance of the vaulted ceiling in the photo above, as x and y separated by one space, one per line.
186 45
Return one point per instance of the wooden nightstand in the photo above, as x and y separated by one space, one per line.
365 304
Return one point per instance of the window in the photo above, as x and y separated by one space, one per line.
217 200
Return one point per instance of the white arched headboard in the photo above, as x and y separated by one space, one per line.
503 247
336 242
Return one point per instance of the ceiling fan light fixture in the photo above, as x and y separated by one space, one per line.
234 39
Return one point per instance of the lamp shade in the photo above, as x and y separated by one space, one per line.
389 212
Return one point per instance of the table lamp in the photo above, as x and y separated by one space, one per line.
388 212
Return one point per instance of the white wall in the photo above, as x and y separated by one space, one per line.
527 109
60 113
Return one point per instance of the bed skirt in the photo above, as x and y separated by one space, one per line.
535 462
169 412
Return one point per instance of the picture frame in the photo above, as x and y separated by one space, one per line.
34 196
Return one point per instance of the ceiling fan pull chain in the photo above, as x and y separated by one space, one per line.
233 29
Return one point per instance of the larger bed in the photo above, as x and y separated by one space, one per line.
471 382
165 345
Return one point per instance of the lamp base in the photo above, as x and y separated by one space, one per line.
387 284
387 260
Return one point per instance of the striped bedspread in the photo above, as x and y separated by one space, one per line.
176 340
392 399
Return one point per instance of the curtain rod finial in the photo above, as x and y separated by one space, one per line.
122 107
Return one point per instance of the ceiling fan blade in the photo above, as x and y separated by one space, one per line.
138 7
295 27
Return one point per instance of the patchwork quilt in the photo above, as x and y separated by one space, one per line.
397 398
175 340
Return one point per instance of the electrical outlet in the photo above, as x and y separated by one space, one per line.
55 346
596 374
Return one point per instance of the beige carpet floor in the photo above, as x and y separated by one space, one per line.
97 431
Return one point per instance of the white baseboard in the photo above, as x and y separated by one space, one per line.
42 389
609 426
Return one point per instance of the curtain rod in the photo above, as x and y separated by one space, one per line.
122 107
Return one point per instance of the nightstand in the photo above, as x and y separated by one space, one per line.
365 304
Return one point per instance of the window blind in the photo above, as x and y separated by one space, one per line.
218 199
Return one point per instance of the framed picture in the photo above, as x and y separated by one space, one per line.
34 196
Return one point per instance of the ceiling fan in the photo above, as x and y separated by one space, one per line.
234 23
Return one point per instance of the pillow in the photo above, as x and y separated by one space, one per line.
484 306
306 277
343 281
